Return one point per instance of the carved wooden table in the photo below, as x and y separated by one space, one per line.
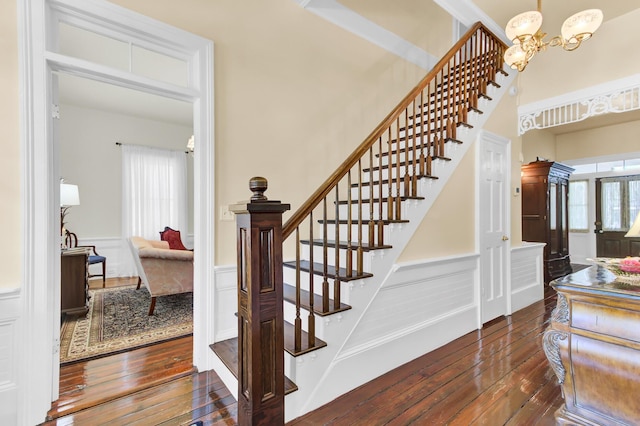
593 345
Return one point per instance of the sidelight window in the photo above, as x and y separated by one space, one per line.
579 206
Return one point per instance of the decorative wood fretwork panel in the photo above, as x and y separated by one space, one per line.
616 97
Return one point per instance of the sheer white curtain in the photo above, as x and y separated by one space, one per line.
154 191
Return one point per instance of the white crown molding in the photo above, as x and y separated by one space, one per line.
615 96
349 20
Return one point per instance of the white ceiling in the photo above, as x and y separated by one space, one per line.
88 93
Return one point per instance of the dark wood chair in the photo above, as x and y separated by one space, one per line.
71 241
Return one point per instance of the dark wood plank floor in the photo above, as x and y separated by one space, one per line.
497 375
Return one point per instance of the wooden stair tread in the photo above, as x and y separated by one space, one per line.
290 296
428 143
377 200
419 146
227 351
386 181
289 343
402 163
344 245
344 221
318 269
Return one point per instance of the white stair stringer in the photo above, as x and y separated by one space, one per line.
343 365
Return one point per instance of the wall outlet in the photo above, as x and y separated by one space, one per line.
225 214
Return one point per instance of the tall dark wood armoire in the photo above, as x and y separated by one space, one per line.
545 198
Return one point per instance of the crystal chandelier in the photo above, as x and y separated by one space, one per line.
524 31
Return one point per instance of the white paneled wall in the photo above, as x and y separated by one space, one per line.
527 276
10 307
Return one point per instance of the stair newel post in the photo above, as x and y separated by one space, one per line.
297 334
325 258
349 250
336 279
260 314
380 196
359 252
371 225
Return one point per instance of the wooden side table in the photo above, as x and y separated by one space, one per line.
74 282
593 345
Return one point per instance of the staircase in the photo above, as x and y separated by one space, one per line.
348 235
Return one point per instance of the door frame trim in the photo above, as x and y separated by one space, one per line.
40 269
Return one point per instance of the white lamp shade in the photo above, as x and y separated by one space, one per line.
581 25
69 195
514 56
525 24
635 228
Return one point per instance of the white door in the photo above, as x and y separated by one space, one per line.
493 226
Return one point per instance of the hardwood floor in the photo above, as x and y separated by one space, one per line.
497 375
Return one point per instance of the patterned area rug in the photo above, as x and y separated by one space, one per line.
117 321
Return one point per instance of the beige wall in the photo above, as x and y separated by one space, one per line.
288 85
597 61
11 211
538 143
598 142
448 228
90 159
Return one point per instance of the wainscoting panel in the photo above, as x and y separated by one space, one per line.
527 277
415 296
226 302
9 322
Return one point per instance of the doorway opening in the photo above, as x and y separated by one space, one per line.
41 59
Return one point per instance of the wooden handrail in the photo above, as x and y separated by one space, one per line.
296 219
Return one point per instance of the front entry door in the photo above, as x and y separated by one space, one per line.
493 232
617 201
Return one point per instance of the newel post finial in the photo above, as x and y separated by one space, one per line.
258 185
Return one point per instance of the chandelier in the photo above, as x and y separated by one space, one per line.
524 31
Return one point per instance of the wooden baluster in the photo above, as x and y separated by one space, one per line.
359 253
455 94
372 224
414 155
398 198
325 258
380 196
464 100
349 251
311 320
425 111
389 178
407 146
336 280
297 335
260 313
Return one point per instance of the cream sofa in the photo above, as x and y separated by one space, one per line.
162 270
